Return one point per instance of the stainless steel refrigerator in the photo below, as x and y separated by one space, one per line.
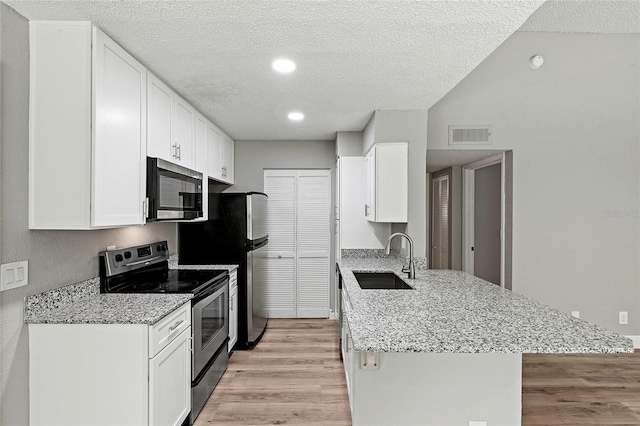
236 233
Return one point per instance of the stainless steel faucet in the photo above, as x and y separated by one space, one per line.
410 269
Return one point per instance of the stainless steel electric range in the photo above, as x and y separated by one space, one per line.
145 269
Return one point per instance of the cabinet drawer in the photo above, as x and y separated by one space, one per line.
168 328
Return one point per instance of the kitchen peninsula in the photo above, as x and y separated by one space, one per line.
449 350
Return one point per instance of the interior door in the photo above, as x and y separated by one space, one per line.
297 259
487 223
440 250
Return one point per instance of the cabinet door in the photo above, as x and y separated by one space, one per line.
227 159
214 163
170 382
201 153
183 131
158 119
119 140
233 317
370 171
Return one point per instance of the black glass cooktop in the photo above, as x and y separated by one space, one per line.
161 280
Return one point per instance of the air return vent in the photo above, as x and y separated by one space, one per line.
469 135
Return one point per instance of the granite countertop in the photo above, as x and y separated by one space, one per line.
454 312
174 263
82 303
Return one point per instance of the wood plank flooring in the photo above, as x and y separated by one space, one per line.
295 377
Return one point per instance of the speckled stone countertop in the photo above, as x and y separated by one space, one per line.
175 264
454 312
82 303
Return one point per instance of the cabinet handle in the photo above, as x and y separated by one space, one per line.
174 150
174 326
366 210
179 151
224 172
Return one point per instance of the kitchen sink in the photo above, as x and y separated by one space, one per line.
381 281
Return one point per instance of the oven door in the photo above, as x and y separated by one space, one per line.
174 192
210 320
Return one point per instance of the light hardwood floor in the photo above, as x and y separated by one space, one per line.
295 377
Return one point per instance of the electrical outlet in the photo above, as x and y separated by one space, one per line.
14 275
575 314
109 248
623 317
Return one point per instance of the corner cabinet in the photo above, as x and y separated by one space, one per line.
111 374
387 179
220 155
233 309
87 129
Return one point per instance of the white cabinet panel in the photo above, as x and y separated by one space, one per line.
120 139
87 142
233 309
214 160
228 146
169 404
158 119
183 118
387 167
201 148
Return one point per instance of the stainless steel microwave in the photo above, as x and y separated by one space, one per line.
173 192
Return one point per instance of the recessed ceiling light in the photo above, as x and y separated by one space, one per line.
284 65
296 116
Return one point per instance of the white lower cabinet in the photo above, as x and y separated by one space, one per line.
233 309
111 374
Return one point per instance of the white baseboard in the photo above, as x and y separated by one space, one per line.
334 316
636 341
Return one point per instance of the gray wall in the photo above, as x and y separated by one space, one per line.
348 144
406 126
56 258
487 223
573 127
252 157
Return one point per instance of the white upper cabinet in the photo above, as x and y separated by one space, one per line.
214 160
183 120
158 119
220 155
87 129
201 156
387 176
227 159
171 125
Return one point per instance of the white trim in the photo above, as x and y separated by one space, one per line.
468 204
636 341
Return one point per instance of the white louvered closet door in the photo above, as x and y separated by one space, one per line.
440 224
280 265
313 243
299 243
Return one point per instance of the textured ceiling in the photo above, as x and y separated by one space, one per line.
586 16
353 57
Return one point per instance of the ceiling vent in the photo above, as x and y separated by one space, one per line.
469 135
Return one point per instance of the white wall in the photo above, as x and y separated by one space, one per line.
573 126
406 126
252 157
56 258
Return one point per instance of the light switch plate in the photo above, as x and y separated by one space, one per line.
14 275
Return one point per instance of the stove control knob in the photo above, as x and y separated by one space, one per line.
127 255
118 258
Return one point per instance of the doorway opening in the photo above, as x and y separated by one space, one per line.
470 212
